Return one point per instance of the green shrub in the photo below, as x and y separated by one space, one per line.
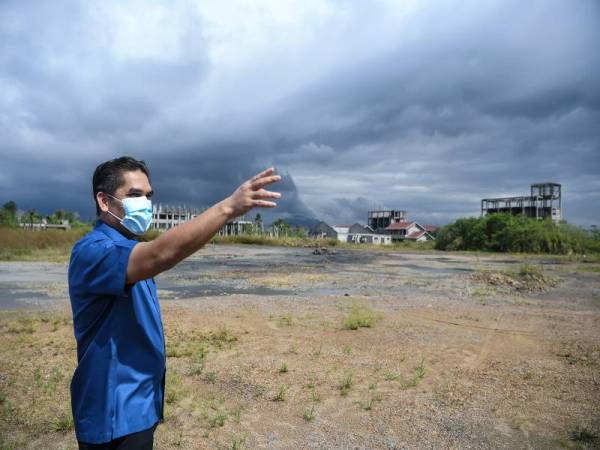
508 233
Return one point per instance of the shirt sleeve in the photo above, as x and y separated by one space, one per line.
100 267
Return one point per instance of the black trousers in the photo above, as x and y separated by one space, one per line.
142 440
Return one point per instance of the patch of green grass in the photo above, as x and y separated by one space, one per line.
391 376
361 316
198 360
218 420
237 444
177 350
309 414
222 338
283 368
374 396
174 388
586 268
347 350
211 377
418 374
63 423
22 325
281 393
346 384
315 397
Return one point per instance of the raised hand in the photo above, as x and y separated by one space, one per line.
251 194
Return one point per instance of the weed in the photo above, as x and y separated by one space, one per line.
63 423
367 405
361 316
174 387
346 384
222 338
237 444
293 349
23 325
237 414
418 374
283 368
315 397
391 376
198 360
211 377
419 370
281 393
309 414
218 420
347 350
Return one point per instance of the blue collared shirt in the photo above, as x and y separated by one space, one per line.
118 385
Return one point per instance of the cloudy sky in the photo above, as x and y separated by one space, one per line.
426 106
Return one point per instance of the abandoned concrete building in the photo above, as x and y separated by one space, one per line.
378 221
544 201
166 217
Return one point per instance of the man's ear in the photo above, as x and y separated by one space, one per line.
102 200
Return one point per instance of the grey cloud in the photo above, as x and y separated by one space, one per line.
428 111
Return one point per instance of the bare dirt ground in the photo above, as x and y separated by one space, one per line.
278 348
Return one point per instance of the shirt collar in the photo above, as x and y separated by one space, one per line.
109 231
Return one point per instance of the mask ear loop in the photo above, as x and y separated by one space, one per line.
116 217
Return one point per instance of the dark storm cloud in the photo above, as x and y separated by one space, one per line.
424 106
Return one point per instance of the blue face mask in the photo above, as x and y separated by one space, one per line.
138 214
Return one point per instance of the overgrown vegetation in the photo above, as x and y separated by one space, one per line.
52 245
361 316
508 233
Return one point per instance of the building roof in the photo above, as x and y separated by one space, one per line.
400 225
430 228
415 234
341 226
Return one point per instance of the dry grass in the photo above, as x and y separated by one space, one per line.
50 245
241 377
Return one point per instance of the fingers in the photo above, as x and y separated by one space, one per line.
261 194
264 173
264 204
264 181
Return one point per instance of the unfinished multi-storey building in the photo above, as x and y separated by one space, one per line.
543 202
378 221
165 217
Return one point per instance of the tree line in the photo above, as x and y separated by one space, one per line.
10 217
508 233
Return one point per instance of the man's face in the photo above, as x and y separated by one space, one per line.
135 184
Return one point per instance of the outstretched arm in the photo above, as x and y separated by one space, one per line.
148 259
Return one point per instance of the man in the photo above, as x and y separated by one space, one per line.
117 390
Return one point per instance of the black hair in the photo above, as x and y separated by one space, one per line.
108 176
